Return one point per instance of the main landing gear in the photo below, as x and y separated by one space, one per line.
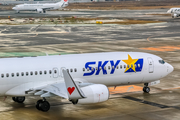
146 89
18 99
43 105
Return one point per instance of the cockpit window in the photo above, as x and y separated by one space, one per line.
161 61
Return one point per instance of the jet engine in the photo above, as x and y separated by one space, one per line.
39 10
175 15
94 93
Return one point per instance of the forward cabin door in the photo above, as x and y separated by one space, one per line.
151 65
55 72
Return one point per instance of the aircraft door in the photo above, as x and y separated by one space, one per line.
55 72
61 74
151 65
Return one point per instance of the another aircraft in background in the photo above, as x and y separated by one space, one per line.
175 12
41 8
80 78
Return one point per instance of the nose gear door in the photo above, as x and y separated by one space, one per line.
151 65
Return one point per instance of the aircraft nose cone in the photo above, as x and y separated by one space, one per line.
170 68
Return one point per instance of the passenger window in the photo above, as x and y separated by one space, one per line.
131 65
87 69
124 66
138 65
83 69
112 67
17 74
96 68
67 70
99 68
75 70
121 66
7 75
36 72
92 69
50 71
12 74
31 73
2 75
40 72
104 68
27 73
128 66
117 67
45 72
22 74
135 65
109 67
71 70
55 71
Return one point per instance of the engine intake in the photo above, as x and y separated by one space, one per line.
39 10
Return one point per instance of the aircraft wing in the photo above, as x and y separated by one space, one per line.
68 88
48 8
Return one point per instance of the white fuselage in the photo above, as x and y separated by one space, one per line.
21 74
40 7
175 12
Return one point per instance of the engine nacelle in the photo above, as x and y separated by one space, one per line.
175 15
39 10
95 93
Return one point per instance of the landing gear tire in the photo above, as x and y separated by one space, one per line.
43 105
146 89
18 99
37 104
14 99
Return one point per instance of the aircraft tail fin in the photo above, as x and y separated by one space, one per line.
63 3
74 91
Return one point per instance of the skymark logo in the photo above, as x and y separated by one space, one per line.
132 65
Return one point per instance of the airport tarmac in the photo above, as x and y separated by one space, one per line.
126 102
120 14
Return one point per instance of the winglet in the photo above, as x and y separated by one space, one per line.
74 92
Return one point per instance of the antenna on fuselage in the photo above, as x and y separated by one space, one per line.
47 54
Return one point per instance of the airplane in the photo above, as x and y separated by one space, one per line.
79 78
175 12
41 8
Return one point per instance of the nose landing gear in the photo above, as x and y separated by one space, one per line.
43 105
146 89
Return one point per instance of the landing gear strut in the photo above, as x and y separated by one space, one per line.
146 89
43 105
18 99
